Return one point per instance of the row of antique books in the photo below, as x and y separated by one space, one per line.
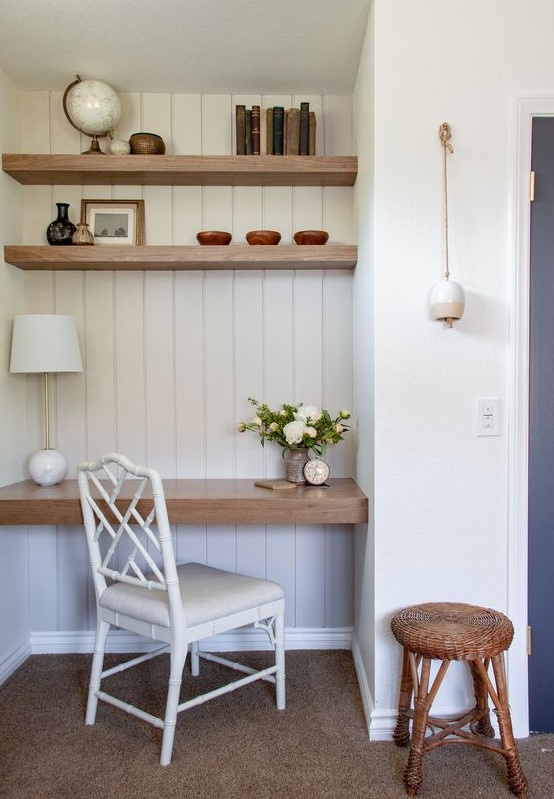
275 131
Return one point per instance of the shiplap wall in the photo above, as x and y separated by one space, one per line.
171 357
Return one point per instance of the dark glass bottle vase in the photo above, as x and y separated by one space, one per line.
61 230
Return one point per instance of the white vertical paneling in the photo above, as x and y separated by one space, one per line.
308 330
277 211
337 123
221 547
279 383
281 565
337 214
217 124
310 576
130 346
190 364
307 208
44 578
247 211
191 543
159 372
73 566
187 124
71 388
170 358
251 550
339 568
99 357
249 366
219 398
337 369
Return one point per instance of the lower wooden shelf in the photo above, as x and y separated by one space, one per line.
234 256
199 502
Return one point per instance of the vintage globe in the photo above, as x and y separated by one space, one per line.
93 108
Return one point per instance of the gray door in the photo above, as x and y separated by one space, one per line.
541 431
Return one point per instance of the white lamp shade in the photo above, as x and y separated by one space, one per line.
447 300
45 343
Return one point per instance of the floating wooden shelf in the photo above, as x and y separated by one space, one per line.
182 170
234 256
199 502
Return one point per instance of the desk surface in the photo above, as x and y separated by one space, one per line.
200 502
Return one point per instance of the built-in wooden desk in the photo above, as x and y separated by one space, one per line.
200 502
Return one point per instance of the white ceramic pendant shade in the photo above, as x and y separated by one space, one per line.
447 301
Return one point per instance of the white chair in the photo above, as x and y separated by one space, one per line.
139 588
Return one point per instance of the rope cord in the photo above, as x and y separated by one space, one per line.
445 134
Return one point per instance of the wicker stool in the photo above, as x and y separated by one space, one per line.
450 631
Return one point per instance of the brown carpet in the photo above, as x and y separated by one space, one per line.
234 747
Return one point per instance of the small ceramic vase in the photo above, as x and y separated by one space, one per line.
83 235
119 147
295 460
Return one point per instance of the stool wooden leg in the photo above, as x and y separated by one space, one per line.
483 725
401 734
516 777
413 775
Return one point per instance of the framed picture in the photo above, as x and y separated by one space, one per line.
114 221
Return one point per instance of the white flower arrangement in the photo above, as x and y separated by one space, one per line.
297 426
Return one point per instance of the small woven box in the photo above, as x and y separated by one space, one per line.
147 144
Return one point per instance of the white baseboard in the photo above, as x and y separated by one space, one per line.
14 660
365 691
60 642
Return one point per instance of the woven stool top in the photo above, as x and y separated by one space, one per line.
452 630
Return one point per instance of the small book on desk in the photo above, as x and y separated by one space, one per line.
276 485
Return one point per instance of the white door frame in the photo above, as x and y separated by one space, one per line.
526 109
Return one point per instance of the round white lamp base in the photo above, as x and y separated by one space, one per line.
47 467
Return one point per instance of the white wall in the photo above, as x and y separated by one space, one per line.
441 501
14 616
170 358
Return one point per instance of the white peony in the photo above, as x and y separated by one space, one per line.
293 432
308 413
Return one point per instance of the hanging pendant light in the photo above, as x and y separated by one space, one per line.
447 298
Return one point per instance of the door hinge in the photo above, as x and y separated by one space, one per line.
529 646
531 186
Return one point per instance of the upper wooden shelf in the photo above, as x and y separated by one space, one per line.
182 170
160 257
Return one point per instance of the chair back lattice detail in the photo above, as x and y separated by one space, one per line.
123 541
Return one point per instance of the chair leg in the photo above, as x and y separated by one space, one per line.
401 734
516 777
280 698
178 657
483 725
102 630
194 659
413 774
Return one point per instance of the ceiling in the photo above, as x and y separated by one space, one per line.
209 46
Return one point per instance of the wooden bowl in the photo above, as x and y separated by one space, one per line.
311 237
213 237
263 237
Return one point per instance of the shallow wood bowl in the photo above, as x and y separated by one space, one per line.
311 237
213 237
263 237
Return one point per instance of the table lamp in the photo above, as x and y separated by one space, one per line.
45 343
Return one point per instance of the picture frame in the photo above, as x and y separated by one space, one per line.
114 222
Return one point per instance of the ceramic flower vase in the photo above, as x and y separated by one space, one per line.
295 459
61 230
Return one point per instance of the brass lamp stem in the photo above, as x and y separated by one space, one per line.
46 414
